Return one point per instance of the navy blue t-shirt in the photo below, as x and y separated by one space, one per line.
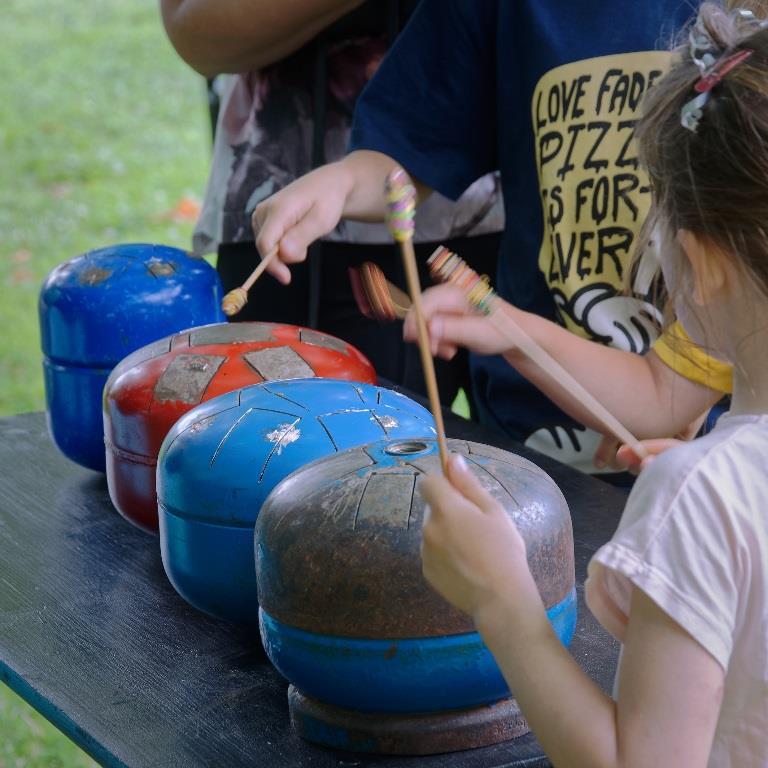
547 93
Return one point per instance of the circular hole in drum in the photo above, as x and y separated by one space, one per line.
406 448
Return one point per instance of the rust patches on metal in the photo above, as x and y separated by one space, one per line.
94 276
346 542
404 734
161 268
386 500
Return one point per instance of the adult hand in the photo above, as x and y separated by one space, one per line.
472 553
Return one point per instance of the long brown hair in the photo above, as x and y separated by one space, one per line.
713 181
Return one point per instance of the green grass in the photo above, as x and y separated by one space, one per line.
27 740
102 132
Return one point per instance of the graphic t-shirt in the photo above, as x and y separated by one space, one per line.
593 195
546 92
266 133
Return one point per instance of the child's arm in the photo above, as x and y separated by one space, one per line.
626 458
670 687
310 207
648 397
215 36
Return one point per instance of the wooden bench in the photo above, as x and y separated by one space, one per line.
94 637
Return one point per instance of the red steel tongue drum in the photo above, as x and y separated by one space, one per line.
377 660
152 388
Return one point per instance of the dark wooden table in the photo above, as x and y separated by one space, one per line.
94 637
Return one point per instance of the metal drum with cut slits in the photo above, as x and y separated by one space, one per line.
151 389
99 307
220 461
377 660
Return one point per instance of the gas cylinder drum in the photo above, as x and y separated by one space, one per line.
154 387
377 660
101 306
220 461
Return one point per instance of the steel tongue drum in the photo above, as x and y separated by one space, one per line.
377 660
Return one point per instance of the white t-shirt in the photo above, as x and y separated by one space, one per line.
694 538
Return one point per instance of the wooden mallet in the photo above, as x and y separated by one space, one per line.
375 296
401 212
447 267
237 298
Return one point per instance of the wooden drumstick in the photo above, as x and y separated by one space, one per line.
401 211
237 298
447 267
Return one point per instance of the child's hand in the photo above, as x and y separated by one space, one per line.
453 323
298 215
627 458
612 453
472 553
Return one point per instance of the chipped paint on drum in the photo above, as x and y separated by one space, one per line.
212 480
284 435
99 307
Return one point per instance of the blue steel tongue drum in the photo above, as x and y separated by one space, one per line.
376 659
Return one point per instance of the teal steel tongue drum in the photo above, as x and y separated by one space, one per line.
377 660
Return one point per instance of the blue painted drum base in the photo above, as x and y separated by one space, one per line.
404 675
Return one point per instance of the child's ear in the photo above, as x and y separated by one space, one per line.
707 265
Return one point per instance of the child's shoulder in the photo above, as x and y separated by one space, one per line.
736 442
727 464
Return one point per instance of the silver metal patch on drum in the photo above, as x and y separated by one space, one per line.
318 339
278 363
232 333
187 377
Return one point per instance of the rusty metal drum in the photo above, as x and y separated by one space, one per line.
99 307
150 390
377 660
219 463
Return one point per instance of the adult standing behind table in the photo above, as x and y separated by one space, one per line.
299 67
549 92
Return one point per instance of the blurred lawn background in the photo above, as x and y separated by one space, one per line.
104 138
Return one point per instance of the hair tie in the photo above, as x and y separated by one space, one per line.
693 110
712 64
